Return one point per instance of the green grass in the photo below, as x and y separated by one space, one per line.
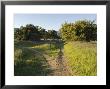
81 58
45 48
29 58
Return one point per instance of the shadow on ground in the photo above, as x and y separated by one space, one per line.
33 66
31 61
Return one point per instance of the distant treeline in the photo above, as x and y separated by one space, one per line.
84 30
34 33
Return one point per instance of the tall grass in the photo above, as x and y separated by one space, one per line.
81 58
29 59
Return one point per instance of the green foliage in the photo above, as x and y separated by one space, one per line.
67 31
34 33
80 30
81 58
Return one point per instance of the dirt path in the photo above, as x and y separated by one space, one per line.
59 65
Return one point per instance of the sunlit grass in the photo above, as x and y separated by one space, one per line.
81 58
30 60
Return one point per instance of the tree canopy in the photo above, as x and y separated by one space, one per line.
85 30
34 33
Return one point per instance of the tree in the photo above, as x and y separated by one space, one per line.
67 31
85 30
42 33
34 33
52 34
49 34
30 32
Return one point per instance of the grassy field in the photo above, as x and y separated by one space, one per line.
29 58
81 58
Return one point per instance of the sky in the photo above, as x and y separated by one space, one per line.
49 21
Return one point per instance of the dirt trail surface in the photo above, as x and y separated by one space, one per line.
58 65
